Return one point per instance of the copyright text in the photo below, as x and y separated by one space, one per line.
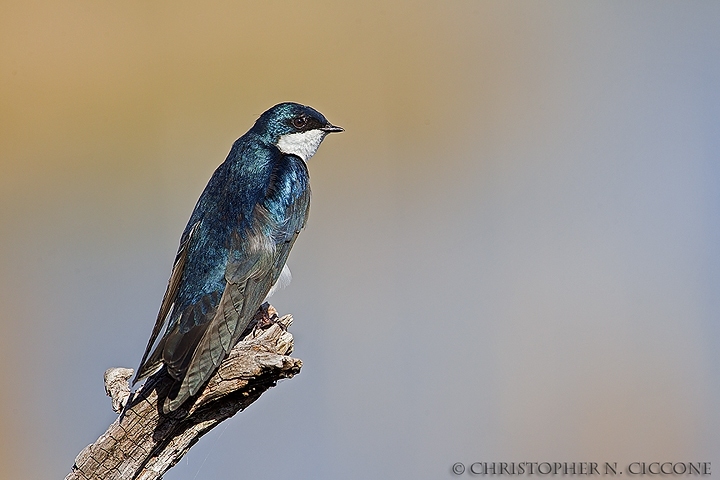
582 468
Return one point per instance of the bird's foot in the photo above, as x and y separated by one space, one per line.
266 316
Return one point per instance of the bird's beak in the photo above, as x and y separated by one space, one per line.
330 128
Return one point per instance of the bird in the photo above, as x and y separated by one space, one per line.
234 249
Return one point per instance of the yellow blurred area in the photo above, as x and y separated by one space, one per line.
143 91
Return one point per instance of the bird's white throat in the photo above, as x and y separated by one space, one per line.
303 144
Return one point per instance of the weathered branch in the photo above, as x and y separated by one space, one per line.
143 443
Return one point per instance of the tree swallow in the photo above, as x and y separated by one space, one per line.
234 247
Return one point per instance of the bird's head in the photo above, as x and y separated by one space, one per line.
294 129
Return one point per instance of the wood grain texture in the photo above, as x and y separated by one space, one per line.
143 443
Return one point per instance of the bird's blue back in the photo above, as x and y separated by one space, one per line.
253 173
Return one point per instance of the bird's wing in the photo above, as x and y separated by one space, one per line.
249 278
255 261
149 365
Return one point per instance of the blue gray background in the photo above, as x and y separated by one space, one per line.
512 252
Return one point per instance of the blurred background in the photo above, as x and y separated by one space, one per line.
512 252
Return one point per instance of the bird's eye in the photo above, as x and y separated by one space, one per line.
299 122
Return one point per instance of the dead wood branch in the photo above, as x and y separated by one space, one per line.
143 443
